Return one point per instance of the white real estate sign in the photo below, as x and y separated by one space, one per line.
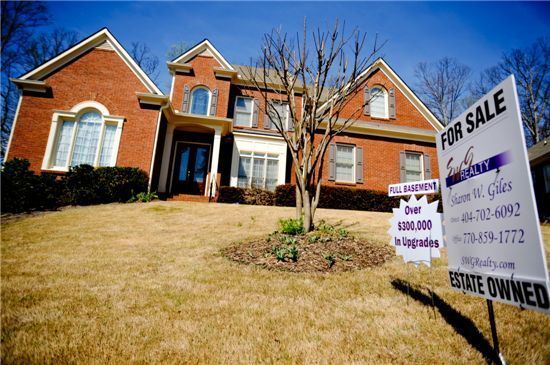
491 226
416 230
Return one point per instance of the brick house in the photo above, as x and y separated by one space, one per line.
93 104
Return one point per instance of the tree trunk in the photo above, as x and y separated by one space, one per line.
308 219
299 205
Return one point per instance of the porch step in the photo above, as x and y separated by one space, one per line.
190 198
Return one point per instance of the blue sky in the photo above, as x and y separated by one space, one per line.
475 33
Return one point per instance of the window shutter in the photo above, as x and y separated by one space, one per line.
214 103
391 105
366 101
255 113
331 157
402 169
185 105
359 165
267 121
427 168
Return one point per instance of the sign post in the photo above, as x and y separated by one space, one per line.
492 229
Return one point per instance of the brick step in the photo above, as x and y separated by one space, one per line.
189 198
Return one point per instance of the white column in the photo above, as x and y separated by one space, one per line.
215 160
163 178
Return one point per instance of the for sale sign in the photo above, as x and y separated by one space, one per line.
491 225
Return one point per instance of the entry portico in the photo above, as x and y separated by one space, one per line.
191 153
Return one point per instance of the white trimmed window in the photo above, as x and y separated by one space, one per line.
345 163
258 170
279 113
414 169
83 135
243 111
200 101
379 102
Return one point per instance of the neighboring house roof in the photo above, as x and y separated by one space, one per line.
539 152
206 48
101 39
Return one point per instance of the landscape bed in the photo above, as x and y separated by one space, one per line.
147 283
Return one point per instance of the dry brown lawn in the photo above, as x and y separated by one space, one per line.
146 283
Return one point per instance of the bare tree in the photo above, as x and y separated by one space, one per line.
325 72
47 45
19 19
148 62
442 86
176 50
531 69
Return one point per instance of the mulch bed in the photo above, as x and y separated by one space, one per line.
345 253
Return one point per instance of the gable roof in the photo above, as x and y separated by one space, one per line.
203 46
380 64
102 39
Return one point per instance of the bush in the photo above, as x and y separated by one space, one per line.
23 191
292 226
336 197
86 185
229 194
143 197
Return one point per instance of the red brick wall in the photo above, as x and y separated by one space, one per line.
381 165
99 75
203 74
405 112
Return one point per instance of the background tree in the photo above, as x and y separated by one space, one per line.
18 21
176 50
442 86
530 67
47 45
148 62
325 72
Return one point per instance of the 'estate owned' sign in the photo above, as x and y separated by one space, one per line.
491 225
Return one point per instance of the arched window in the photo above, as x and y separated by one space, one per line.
200 101
86 134
379 102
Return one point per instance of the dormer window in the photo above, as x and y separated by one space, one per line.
200 101
379 102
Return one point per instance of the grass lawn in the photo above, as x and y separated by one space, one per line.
145 283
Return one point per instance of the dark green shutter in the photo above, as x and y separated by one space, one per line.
427 168
331 157
256 107
366 101
214 103
391 105
359 165
402 166
185 104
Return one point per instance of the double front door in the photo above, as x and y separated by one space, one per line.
190 168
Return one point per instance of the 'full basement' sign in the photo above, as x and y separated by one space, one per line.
491 226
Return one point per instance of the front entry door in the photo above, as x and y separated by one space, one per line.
191 168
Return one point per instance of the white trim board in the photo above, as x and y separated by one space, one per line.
201 47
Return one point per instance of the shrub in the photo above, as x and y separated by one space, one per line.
337 197
86 185
259 197
23 191
292 226
230 194
143 197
